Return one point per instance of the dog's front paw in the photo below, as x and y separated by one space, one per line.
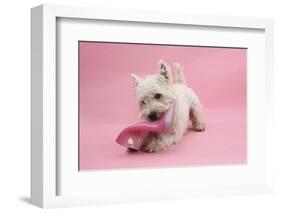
153 146
200 127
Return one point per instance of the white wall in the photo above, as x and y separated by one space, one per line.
14 107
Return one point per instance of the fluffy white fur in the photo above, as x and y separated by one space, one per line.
155 93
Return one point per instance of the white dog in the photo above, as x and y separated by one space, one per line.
155 93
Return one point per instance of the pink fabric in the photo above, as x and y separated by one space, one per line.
108 104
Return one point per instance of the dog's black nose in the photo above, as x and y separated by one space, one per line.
152 116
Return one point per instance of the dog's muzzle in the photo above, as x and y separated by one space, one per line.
152 116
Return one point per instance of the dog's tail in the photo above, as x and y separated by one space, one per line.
179 74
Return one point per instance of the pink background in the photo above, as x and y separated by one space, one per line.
108 104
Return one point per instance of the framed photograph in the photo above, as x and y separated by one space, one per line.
129 106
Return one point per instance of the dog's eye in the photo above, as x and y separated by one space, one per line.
157 96
142 103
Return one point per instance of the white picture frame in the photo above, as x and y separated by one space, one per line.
45 166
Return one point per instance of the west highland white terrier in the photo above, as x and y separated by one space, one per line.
155 94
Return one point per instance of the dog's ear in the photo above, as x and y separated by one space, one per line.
164 71
136 79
